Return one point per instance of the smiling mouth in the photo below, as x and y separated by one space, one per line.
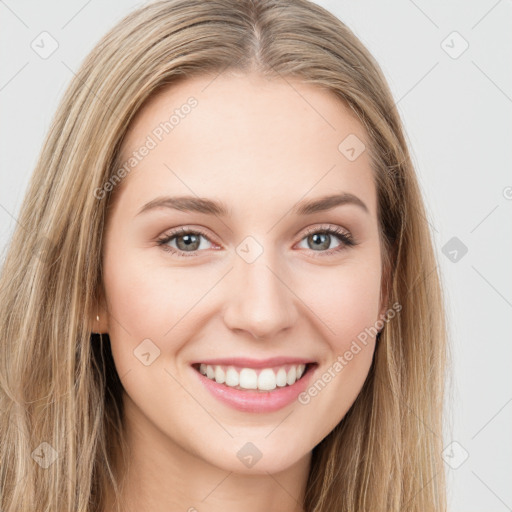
254 379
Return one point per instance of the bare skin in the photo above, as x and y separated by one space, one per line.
260 147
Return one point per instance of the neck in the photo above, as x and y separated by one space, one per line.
163 476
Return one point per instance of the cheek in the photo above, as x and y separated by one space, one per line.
346 306
345 300
150 301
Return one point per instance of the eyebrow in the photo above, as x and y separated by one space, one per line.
213 207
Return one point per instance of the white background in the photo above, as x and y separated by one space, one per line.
456 112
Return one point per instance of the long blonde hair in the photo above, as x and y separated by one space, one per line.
61 428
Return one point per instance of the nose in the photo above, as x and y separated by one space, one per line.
259 300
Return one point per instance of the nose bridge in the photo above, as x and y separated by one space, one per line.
259 300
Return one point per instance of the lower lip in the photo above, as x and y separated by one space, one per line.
255 400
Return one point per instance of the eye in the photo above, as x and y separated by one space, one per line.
319 239
187 241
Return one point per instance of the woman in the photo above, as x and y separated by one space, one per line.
222 292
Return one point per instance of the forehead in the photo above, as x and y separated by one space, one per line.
247 138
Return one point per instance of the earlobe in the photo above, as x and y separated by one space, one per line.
100 317
100 325
385 292
383 311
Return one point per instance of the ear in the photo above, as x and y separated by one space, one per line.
100 311
385 290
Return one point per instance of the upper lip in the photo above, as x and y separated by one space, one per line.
246 362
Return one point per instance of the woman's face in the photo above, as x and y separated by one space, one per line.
186 283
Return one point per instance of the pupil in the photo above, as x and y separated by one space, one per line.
316 238
190 241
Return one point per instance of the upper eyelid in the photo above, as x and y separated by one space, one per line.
185 230
325 227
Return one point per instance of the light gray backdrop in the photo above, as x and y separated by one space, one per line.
449 68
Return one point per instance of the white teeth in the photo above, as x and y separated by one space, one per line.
220 376
248 379
281 377
292 376
265 379
232 378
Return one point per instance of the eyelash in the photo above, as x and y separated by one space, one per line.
344 237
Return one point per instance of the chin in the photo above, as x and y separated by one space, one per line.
254 458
